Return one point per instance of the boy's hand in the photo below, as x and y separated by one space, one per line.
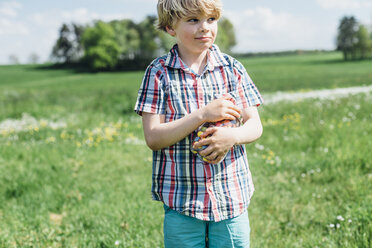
221 140
220 109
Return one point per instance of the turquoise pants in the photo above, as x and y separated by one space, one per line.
181 231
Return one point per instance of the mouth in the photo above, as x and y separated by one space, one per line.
204 38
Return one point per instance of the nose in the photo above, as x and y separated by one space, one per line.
204 26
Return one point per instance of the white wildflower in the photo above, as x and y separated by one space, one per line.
27 123
117 242
340 218
331 225
259 147
338 225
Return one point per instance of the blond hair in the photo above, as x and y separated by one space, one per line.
170 11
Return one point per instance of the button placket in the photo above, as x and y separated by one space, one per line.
199 91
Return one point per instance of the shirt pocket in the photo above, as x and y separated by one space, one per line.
179 99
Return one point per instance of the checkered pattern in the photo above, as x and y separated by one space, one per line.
211 192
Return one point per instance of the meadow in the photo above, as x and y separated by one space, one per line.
75 170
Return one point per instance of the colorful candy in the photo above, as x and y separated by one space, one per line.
196 135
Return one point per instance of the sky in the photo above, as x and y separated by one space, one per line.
31 27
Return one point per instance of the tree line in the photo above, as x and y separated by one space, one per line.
354 39
121 44
125 44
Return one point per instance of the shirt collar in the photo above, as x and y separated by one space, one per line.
215 58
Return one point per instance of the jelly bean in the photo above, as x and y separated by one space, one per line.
206 160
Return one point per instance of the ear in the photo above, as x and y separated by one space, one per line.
170 30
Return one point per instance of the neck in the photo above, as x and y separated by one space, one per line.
195 61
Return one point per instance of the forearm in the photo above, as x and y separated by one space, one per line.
247 133
159 134
166 134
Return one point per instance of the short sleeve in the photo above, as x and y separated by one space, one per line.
246 93
151 95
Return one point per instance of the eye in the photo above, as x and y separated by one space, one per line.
193 20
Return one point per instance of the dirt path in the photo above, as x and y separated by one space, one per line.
320 94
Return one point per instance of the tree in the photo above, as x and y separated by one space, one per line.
33 58
347 37
62 50
127 37
78 31
226 35
148 37
13 59
122 44
68 45
363 45
101 49
165 42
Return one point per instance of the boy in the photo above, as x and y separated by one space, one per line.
205 203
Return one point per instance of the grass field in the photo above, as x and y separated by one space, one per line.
75 172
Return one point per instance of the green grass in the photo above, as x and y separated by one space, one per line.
306 72
87 182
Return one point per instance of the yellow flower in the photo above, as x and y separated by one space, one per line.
78 144
63 135
4 132
118 125
50 140
43 123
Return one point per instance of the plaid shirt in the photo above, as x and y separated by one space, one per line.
211 192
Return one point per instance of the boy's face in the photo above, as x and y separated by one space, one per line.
194 34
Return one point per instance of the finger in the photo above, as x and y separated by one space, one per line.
212 157
206 152
209 131
234 113
203 142
235 108
227 97
217 160
230 116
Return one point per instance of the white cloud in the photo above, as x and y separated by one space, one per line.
38 31
12 27
9 9
344 4
83 16
262 29
8 22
